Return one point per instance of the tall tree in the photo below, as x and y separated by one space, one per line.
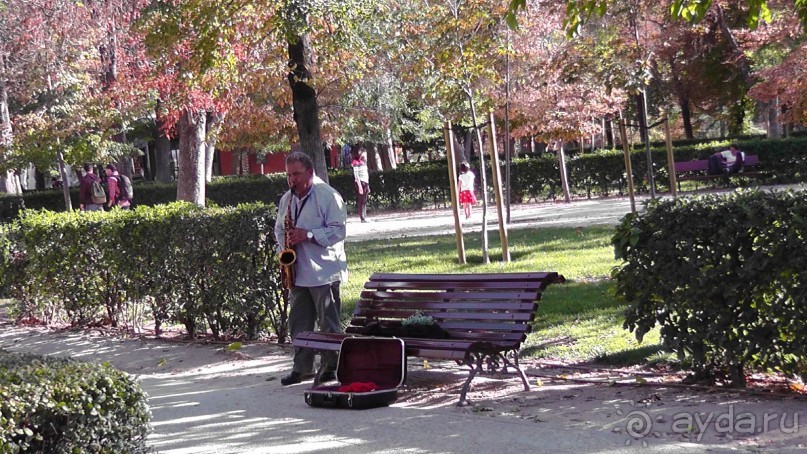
555 96
50 74
221 36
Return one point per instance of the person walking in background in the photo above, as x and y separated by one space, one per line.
465 186
312 216
361 180
118 188
88 199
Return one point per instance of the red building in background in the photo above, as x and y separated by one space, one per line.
234 163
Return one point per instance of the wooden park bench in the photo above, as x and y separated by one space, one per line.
697 170
482 319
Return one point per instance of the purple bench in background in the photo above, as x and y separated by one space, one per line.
697 170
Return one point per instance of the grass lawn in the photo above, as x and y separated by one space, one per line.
579 321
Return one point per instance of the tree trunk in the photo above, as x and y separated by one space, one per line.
609 133
213 126
686 115
640 117
741 58
773 120
68 204
8 183
388 158
373 160
306 109
191 180
40 179
107 52
737 110
7 179
468 149
162 150
5 118
680 88
564 178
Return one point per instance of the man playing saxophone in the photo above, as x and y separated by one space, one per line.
311 219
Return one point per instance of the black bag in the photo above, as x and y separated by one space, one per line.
379 360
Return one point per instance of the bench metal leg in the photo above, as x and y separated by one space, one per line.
514 365
475 362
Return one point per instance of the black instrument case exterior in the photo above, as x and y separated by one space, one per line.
378 360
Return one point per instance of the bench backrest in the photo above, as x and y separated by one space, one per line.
749 160
691 166
467 306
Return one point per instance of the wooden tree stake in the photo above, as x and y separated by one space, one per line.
452 180
497 188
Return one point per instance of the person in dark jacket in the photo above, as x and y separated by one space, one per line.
85 201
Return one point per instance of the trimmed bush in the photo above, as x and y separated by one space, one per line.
724 278
58 405
211 269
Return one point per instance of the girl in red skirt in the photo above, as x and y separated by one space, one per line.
465 185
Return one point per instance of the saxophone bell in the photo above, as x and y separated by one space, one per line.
287 258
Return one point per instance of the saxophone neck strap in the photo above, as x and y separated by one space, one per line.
300 205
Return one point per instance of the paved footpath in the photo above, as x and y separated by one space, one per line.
598 211
441 221
206 400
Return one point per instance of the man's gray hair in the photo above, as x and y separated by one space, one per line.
302 158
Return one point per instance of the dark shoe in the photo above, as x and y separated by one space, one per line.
292 378
327 376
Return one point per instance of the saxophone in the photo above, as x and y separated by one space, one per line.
287 256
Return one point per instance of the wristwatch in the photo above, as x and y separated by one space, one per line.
310 235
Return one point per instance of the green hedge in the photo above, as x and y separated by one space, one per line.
724 278
61 406
426 184
211 269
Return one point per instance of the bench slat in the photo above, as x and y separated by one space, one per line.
454 285
456 304
464 325
453 297
527 281
691 166
332 341
456 335
500 277
511 331
401 314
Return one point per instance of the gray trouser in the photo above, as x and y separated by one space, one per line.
309 306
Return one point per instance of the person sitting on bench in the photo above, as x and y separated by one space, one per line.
726 162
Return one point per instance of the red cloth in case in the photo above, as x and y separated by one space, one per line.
358 387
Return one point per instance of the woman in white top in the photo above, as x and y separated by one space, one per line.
361 180
465 184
